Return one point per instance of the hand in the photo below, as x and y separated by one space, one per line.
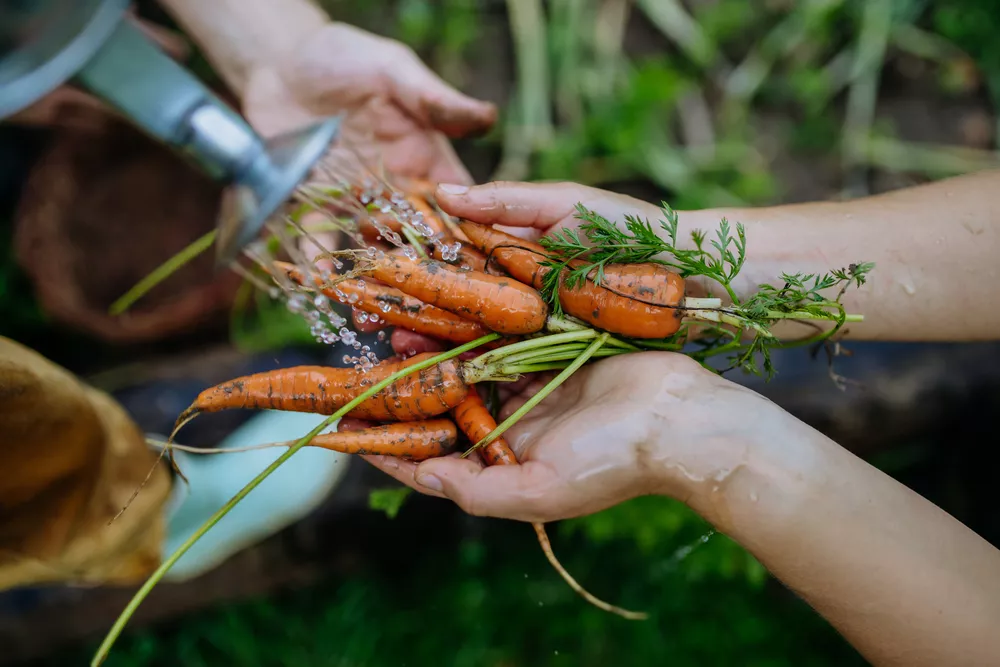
639 424
399 111
397 106
531 210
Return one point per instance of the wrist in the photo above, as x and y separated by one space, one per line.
753 481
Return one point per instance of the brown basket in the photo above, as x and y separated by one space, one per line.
103 208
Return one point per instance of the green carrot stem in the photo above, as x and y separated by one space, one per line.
805 315
555 356
105 647
532 344
556 324
161 273
540 396
529 355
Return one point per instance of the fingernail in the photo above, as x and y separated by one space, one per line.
429 481
453 188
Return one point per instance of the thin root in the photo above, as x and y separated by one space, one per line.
543 540
167 448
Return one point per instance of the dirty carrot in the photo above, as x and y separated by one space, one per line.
323 390
504 305
393 306
469 256
634 300
413 440
476 422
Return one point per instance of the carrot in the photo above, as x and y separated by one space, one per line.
476 422
429 215
469 256
324 390
503 305
394 307
635 300
413 440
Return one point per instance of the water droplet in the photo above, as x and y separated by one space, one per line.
297 303
753 497
381 335
362 317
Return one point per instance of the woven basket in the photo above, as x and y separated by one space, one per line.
102 208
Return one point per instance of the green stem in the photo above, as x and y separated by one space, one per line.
533 354
556 324
161 273
503 368
540 396
532 344
109 640
804 315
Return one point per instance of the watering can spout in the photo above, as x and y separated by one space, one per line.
91 44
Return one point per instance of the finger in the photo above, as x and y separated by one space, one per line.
434 103
537 205
408 343
526 492
401 470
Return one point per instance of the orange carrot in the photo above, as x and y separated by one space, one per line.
469 256
324 390
476 422
635 300
503 305
429 215
413 440
394 307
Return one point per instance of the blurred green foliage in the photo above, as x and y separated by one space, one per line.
496 602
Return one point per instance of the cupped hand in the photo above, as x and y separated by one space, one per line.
638 424
400 114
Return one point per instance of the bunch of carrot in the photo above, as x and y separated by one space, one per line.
478 292
461 283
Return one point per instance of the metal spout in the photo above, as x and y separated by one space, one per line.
105 54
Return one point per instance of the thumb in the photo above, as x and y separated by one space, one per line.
426 97
508 492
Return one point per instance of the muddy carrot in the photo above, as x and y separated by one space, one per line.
469 256
476 422
414 440
394 307
323 390
635 300
503 305
428 215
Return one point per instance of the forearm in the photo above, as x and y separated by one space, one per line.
903 581
935 248
235 35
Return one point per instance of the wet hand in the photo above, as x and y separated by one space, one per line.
639 424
